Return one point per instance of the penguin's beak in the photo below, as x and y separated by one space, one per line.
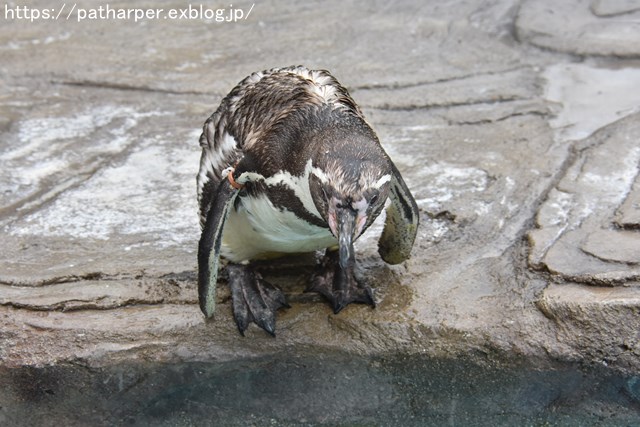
346 222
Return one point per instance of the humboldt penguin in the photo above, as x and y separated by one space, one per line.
290 165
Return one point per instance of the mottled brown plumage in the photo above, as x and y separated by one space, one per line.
314 175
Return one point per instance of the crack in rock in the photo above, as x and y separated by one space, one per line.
576 236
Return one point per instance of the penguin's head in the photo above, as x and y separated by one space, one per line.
350 192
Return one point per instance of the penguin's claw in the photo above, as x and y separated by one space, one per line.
254 299
339 286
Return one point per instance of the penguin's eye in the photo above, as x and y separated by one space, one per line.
373 199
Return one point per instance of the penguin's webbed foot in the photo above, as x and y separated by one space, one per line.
254 299
339 285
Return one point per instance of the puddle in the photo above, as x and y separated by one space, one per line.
316 388
589 97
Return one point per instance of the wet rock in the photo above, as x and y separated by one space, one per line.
98 294
614 246
586 317
586 97
581 27
614 7
576 235
99 125
519 84
628 215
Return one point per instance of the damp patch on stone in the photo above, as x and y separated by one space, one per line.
577 234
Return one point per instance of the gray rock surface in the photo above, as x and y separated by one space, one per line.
581 27
577 236
524 165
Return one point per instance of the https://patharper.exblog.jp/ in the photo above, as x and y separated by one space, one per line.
75 12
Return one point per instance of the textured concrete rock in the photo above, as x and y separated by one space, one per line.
586 317
614 7
106 192
586 97
516 85
576 236
613 246
98 141
582 27
628 215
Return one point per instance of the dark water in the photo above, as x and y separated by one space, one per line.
319 389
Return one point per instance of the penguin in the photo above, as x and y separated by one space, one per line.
290 165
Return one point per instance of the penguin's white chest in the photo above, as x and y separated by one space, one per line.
257 229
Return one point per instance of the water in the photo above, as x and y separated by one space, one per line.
312 388
589 97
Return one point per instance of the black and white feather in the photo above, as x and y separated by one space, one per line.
302 150
254 108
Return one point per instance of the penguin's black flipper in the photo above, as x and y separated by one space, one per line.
209 246
401 225
254 299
